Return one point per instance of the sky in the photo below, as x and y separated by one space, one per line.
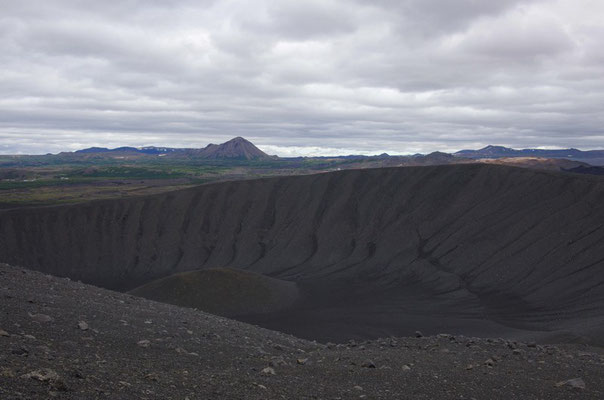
310 77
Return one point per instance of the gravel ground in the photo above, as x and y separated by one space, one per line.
68 340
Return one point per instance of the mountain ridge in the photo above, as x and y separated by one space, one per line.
236 148
240 148
492 151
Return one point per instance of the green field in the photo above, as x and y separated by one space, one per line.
48 180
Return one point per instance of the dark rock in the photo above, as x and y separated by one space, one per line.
20 351
368 364
41 317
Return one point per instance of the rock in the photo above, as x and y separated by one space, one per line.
268 371
490 363
83 325
20 351
302 361
359 388
152 377
47 375
575 383
406 368
41 317
77 374
418 334
144 343
517 352
180 350
277 361
368 364
4 333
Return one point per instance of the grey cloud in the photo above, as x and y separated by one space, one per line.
425 18
303 20
396 76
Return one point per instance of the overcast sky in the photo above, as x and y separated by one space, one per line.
302 77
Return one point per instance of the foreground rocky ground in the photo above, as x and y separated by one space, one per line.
68 340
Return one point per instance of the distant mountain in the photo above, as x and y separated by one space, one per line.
434 158
237 148
500 151
552 164
94 150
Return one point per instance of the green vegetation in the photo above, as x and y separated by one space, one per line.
71 177
126 172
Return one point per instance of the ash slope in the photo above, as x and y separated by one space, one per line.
68 340
473 249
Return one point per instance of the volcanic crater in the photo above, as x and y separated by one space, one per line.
482 250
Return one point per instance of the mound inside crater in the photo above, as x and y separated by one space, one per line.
223 291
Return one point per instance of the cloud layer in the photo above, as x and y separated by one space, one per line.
313 77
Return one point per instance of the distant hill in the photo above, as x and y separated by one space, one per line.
582 169
237 148
434 158
552 164
94 150
500 151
